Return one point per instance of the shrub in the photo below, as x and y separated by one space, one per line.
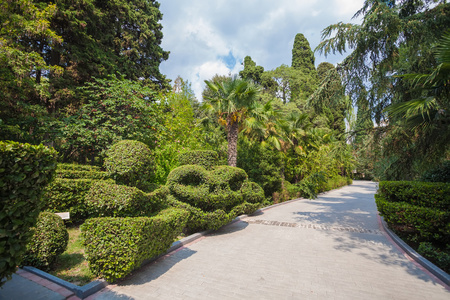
69 195
189 184
140 239
427 194
77 167
130 163
49 240
429 224
212 198
439 257
107 199
24 172
205 158
439 174
252 192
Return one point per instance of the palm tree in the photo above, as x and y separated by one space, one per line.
232 100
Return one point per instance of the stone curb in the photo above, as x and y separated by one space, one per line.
429 266
80 291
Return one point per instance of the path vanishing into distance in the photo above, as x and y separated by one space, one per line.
328 248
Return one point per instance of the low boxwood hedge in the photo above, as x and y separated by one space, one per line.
116 246
428 224
205 158
25 170
427 194
106 199
49 240
74 174
77 167
68 195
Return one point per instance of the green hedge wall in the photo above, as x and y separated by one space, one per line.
116 246
69 195
73 174
205 158
106 199
25 170
428 224
50 238
77 167
427 194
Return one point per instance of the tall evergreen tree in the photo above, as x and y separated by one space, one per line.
302 55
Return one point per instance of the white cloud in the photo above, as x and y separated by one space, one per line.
200 33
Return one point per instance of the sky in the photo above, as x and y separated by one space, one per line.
207 37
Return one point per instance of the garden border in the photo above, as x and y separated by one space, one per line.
419 259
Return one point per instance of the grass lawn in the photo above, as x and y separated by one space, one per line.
71 265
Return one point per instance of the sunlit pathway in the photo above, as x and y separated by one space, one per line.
328 248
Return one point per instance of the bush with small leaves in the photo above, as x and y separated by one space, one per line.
205 158
25 170
130 163
49 240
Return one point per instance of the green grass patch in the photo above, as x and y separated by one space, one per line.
71 266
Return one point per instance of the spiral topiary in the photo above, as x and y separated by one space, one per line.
130 163
50 238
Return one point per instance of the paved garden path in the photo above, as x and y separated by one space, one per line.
328 248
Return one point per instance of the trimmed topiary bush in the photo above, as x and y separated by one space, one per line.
116 246
190 184
205 158
213 198
130 163
25 170
49 240
69 195
73 171
107 199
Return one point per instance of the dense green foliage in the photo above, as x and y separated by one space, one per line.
205 158
441 173
419 213
397 74
131 163
25 170
107 199
49 240
131 241
74 171
68 195
213 198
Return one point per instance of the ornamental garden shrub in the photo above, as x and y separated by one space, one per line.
418 212
131 163
130 241
106 199
205 158
49 240
75 171
25 170
214 197
69 195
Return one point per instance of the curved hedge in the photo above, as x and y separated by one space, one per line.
427 194
106 199
24 172
69 195
49 240
213 198
205 158
131 163
140 239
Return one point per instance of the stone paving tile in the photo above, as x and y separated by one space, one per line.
22 288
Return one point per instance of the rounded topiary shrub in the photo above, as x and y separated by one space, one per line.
252 192
189 184
131 163
205 158
49 240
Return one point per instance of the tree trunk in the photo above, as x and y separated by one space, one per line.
232 137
